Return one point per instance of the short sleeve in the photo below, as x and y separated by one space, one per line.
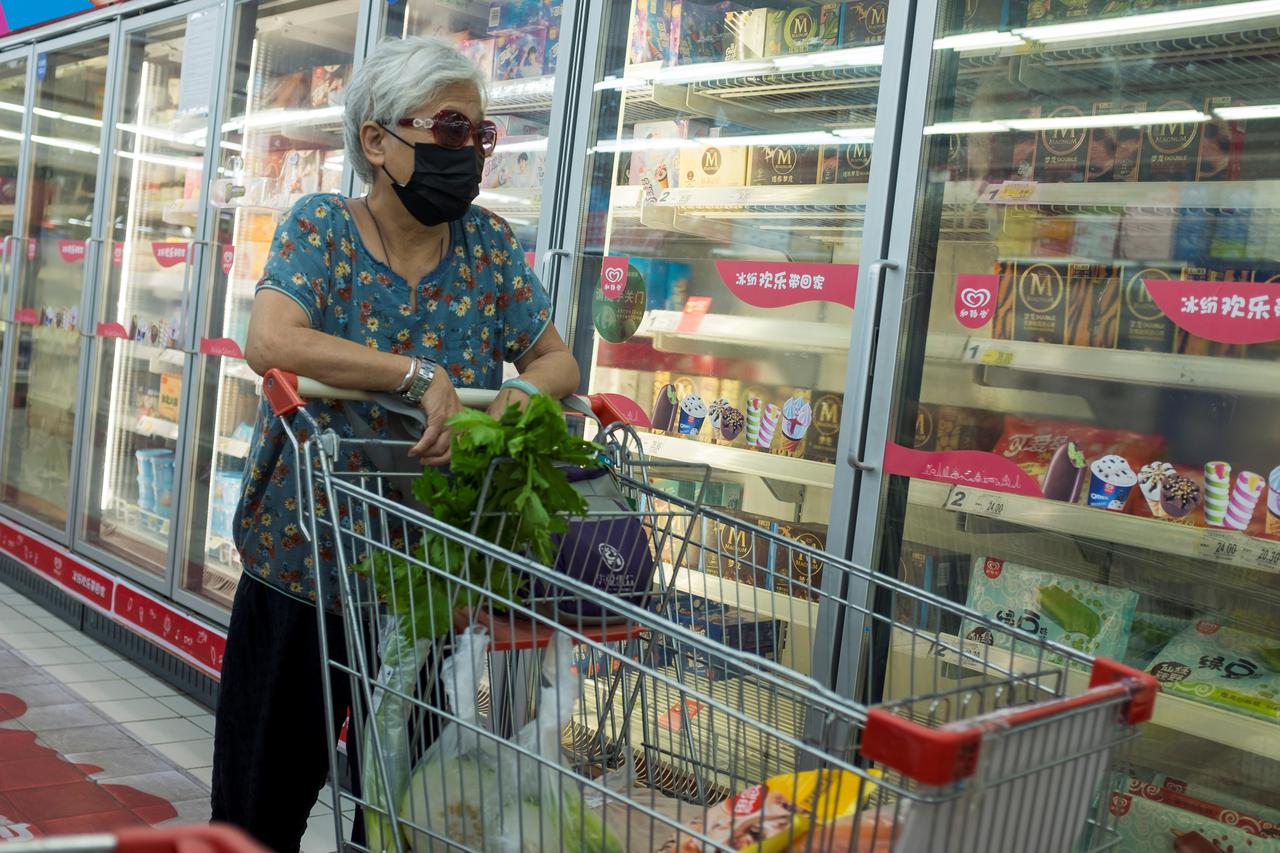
300 264
527 310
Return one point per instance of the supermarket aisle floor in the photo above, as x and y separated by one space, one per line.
89 741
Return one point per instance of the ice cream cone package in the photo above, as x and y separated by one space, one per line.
1090 617
797 416
727 423
1032 445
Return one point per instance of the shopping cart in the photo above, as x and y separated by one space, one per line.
662 722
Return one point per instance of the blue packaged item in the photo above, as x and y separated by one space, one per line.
553 37
518 14
698 32
735 629
146 476
520 54
223 500
162 468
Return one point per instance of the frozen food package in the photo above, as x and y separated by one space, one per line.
1253 819
1146 826
1222 665
1031 444
1149 633
1089 617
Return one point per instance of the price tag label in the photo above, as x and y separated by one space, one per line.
1265 555
976 501
989 354
1011 192
662 321
1223 547
1001 357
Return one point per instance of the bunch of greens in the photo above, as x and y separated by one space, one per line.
526 502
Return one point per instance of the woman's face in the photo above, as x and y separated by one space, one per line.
398 157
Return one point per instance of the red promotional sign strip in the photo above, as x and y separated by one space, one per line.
113 330
961 467
777 285
27 316
72 251
224 347
975 302
1229 312
86 584
169 254
198 644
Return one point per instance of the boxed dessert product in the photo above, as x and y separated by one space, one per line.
1031 302
1143 326
801 29
650 31
1033 446
1170 150
1147 236
1093 305
944 573
1114 152
288 91
480 52
1149 633
797 573
865 23
1048 11
520 54
848 163
659 168
1062 153
735 552
714 165
735 629
783 165
514 169
553 37
1144 825
698 32
518 14
945 428
1222 143
1220 665
824 433
746 34
1022 146
327 84
1089 617
1052 236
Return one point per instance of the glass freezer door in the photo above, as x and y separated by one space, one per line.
13 98
280 139
70 91
724 201
1081 435
156 171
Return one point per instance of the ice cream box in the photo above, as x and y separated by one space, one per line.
1231 230
1096 236
514 169
746 34
1090 617
849 163
735 629
1031 302
713 165
553 37
650 31
1149 633
1037 447
1023 146
659 167
698 31
864 22
946 428
981 16
327 84
518 14
170 396
1254 817
798 573
1147 237
1222 142
1062 152
1186 343
1052 236
1093 305
520 54
783 165
944 573
824 432
1220 665
794 423
1145 825
798 29
512 126
480 52
1170 150
287 91
1143 326
1114 152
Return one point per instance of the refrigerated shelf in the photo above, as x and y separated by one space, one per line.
753 332
740 460
1229 195
1250 734
1215 545
1242 376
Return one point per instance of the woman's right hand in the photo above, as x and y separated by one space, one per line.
440 403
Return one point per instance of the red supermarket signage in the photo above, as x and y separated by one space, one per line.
1230 312
778 285
169 254
155 619
72 251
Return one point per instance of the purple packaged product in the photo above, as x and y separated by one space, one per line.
650 31
698 32
518 14
520 54
608 549
553 38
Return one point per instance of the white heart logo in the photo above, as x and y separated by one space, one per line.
613 275
974 297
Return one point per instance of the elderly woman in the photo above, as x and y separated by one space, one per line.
412 290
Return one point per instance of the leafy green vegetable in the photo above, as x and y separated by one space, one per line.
524 504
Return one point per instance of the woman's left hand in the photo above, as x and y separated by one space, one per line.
507 397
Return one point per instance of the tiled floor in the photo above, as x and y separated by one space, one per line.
92 742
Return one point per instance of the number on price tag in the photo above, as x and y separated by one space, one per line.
1222 548
1267 556
1011 192
996 356
963 499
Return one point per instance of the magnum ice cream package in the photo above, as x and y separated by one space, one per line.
795 572
1222 142
846 163
1115 152
783 165
943 428
1093 305
1033 444
1062 151
1089 617
865 23
1143 326
1171 149
1031 303
824 432
801 29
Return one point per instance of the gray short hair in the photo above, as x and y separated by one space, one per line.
397 78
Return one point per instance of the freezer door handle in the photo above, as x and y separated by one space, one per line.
11 262
548 269
856 458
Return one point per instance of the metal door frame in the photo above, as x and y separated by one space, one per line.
108 31
9 303
162 583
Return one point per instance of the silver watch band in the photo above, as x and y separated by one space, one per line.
421 382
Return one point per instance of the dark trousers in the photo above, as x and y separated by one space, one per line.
270 750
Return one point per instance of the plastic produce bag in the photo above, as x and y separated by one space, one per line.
487 794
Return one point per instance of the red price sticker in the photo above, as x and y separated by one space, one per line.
613 276
695 308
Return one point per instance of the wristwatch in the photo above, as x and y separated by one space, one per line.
421 382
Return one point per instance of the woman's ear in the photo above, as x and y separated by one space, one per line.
373 139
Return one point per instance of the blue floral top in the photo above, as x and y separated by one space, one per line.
479 308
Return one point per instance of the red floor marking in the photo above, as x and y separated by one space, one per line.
45 795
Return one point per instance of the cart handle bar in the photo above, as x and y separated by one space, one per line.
288 392
942 756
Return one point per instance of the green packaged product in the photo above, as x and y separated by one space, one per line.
1090 617
1213 663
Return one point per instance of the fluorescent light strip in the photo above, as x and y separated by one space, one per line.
195 165
979 41
193 138
12 108
522 145
851 57
57 116
500 198
815 137
283 117
1155 22
1069 122
68 144
1253 111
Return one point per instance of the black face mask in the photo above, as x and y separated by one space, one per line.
444 182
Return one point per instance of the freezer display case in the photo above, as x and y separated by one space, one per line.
156 170
50 272
13 97
724 201
280 138
1080 440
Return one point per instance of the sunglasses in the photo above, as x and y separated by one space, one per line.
454 130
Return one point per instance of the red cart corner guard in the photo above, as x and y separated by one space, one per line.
943 756
281 390
213 838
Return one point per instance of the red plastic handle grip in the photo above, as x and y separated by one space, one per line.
281 391
186 839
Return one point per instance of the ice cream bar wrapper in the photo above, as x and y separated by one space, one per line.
1244 499
1273 503
768 424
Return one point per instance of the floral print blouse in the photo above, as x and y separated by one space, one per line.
480 307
